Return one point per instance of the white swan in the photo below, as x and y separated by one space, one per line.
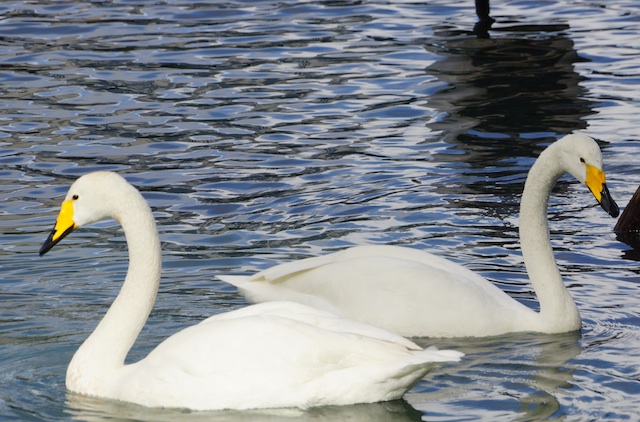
415 293
270 355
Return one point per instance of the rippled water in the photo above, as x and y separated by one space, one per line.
263 132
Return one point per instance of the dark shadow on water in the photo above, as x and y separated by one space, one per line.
627 229
506 93
506 96
630 255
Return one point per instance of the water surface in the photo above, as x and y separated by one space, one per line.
262 132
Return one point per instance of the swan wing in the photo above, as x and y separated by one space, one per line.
316 318
281 272
278 355
404 290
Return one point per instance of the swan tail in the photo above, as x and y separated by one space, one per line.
235 280
437 355
411 372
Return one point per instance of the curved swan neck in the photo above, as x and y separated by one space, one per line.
555 301
106 348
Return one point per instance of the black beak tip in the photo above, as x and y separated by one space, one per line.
47 245
50 243
608 204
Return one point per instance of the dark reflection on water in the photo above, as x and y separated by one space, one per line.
506 94
506 97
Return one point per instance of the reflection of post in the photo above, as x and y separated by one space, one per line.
519 86
483 9
481 29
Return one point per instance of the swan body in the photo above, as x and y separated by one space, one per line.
415 293
277 354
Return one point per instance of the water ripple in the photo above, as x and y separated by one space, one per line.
262 132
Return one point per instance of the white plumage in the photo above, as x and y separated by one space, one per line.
278 354
415 293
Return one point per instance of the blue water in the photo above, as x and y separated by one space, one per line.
262 132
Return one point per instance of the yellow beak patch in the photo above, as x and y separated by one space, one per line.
595 181
596 184
64 221
64 225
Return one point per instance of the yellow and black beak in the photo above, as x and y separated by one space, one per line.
64 225
598 187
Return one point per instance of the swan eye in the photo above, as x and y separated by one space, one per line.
582 160
74 197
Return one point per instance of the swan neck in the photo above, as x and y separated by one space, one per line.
556 304
106 348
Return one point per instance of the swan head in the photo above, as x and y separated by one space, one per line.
580 156
89 199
